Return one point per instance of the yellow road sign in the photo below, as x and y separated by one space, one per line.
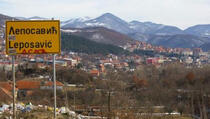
33 37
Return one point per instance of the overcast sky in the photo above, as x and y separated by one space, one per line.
181 13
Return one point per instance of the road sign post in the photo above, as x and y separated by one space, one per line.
33 37
54 80
14 92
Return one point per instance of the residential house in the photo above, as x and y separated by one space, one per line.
26 87
152 60
7 66
49 85
188 60
95 72
102 68
197 52
187 52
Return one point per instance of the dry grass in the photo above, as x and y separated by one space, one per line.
43 114
40 114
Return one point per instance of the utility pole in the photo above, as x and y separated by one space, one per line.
13 78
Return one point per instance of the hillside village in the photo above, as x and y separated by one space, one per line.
149 54
97 64
94 77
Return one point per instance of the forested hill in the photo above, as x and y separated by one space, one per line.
80 44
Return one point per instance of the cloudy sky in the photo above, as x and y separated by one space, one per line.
181 13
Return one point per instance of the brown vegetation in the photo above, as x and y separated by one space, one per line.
173 87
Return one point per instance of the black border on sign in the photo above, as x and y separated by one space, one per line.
59 35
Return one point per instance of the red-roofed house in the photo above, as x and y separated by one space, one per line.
31 85
26 87
95 72
49 85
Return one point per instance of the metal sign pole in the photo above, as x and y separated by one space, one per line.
13 77
14 82
54 80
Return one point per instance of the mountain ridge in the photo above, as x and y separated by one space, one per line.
101 34
156 34
199 30
113 22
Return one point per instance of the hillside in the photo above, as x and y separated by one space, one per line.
199 30
101 35
205 47
177 41
79 44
